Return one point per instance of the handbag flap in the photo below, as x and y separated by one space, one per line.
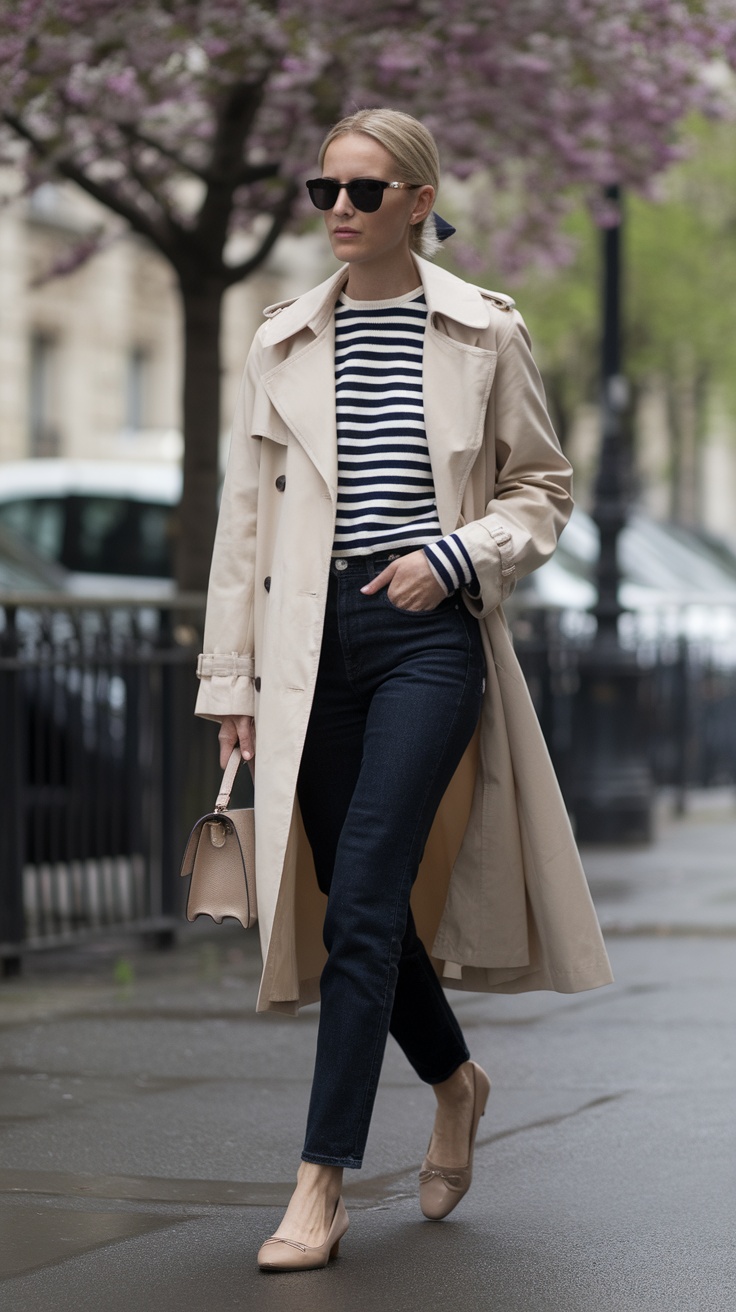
190 851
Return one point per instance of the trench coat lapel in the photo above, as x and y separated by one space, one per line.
302 388
302 385
458 374
457 384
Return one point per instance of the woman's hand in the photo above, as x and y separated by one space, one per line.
410 582
233 730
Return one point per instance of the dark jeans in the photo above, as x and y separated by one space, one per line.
398 697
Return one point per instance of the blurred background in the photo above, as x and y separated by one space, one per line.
153 156
152 175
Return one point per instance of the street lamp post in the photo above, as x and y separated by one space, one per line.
612 787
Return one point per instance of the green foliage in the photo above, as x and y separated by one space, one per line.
561 309
679 290
681 258
562 312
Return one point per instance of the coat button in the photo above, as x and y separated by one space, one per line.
257 683
281 482
267 583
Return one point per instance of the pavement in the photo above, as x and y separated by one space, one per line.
151 1124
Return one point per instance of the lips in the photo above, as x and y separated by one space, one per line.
345 232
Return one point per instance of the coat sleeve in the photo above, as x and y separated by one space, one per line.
531 500
225 668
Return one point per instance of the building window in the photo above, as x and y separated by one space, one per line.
43 434
136 386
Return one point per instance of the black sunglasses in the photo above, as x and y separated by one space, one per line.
365 194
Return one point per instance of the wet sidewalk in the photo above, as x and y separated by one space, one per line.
151 1124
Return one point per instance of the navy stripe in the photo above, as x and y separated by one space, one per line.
448 558
471 578
385 494
385 485
439 569
444 547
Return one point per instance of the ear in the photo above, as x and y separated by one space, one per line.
422 204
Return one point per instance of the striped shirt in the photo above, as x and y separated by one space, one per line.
385 494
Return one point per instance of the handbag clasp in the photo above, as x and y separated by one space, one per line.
218 833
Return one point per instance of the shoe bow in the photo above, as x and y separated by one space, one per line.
293 1243
448 1177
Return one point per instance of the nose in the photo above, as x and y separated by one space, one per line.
342 204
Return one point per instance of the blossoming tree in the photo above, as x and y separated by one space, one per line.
193 120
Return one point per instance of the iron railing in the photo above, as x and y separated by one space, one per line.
687 655
103 767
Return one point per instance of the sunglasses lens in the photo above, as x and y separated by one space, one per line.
366 194
323 193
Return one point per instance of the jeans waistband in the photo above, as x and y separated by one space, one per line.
373 564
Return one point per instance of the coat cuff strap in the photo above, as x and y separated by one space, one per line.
503 541
224 664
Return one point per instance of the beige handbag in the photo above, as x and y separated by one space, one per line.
220 857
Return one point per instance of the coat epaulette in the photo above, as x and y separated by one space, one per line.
271 311
499 299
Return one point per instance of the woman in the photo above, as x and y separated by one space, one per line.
393 471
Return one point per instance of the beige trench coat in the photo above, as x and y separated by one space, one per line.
501 900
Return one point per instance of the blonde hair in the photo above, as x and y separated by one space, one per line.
414 150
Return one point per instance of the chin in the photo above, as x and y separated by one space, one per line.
346 246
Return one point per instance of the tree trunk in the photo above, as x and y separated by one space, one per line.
202 299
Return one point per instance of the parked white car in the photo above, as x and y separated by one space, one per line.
110 524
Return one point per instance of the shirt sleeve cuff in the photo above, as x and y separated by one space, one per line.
451 565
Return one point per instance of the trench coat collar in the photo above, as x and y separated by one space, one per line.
445 294
454 416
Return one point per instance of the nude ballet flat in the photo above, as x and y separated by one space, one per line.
442 1187
289 1255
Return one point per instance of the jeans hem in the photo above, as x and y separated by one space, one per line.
319 1159
440 1079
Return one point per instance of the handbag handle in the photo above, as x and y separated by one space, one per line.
228 779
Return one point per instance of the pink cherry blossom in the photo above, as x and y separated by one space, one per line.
544 98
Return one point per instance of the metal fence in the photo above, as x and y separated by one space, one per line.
687 658
103 768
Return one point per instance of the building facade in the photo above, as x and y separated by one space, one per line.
90 361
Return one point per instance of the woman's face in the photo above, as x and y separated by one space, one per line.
357 237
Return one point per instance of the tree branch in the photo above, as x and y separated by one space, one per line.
135 136
249 174
235 117
237 272
256 173
160 235
145 185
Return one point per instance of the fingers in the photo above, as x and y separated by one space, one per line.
381 580
410 583
237 730
247 736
